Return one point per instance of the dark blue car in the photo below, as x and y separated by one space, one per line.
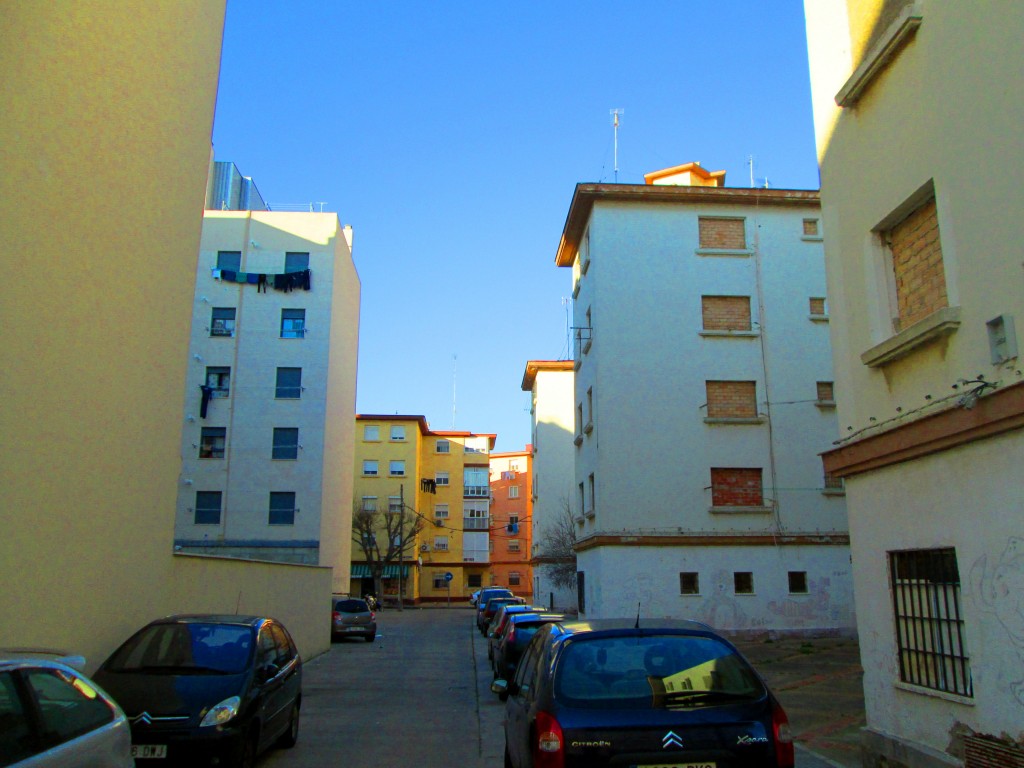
668 693
207 690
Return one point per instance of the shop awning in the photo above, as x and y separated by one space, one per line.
362 571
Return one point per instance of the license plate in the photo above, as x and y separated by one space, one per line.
144 751
677 765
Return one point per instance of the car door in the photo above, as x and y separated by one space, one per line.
282 690
520 704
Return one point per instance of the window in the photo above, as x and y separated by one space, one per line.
441 511
929 620
211 443
230 260
370 468
731 399
513 523
725 313
811 228
513 491
286 443
289 384
475 580
582 500
296 262
397 432
918 272
743 582
736 487
818 306
689 583
371 433
282 508
441 478
394 505
207 511
476 482
369 504
798 582
514 578
218 378
513 545
440 582
442 446
440 543
722 234
826 392
222 321
833 483
593 494
293 323
16 742
589 426
396 468
69 708
475 515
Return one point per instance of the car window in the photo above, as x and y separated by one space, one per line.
15 734
267 647
351 606
69 706
652 672
285 651
526 671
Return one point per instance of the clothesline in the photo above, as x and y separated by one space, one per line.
287 281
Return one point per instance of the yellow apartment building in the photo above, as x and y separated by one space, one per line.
102 183
440 480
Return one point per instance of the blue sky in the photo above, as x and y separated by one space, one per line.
451 135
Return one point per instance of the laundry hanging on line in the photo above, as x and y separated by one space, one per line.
286 282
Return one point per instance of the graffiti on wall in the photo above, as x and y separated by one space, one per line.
997 586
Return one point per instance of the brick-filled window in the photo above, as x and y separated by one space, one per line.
920 277
725 313
826 392
811 228
731 399
818 307
724 234
736 487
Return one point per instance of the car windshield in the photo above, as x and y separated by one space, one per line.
186 649
351 606
653 672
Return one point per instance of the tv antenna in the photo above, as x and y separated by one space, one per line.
455 361
615 127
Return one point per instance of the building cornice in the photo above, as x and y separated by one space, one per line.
586 195
998 412
533 367
713 540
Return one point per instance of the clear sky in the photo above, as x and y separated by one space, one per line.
450 135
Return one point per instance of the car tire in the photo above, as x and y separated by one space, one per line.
369 638
291 736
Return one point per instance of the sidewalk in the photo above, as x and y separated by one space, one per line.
818 682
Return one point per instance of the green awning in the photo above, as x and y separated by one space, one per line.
362 571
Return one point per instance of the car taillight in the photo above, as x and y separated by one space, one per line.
549 750
372 615
336 616
784 754
511 636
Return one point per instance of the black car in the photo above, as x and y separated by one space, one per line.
207 689
486 614
605 693
515 636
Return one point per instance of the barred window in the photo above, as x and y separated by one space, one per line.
929 620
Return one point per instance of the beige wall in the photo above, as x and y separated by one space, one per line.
107 109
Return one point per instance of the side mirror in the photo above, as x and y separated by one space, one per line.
500 687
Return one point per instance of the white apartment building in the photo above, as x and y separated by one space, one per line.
703 396
550 384
268 438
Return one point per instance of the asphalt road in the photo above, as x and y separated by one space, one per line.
418 695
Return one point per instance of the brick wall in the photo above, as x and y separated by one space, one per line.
732 399
987 752
726 313
810 227
722 233
826 391
736 487
917 265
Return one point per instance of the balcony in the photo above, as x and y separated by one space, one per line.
477 492
476 523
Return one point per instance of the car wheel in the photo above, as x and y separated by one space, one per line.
289 737
508 758
369 638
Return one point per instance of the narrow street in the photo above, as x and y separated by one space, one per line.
419 695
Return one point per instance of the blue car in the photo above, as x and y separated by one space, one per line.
626 693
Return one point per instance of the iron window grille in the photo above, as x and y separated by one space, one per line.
929 620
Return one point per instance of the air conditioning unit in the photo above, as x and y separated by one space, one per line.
424 547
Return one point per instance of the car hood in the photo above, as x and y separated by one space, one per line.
169 695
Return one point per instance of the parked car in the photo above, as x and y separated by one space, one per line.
515 636
207 689
352 617
497 624
491 607
52 715
484 596
606 693
473 597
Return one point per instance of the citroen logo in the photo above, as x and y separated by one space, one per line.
144 719
670 739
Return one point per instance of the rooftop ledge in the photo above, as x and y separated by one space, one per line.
890 43
936 326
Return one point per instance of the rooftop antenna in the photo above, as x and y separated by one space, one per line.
568 327
455 361
750 162
637 625
615 123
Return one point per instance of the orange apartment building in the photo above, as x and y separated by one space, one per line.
511 510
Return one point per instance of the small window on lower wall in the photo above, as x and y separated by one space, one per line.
743 582
475 579
513 579
798 582
689 583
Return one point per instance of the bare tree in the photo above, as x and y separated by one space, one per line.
385 538
558 548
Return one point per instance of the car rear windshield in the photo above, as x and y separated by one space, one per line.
653 672
186 649
351 606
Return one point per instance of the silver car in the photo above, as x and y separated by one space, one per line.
352 617
53 715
